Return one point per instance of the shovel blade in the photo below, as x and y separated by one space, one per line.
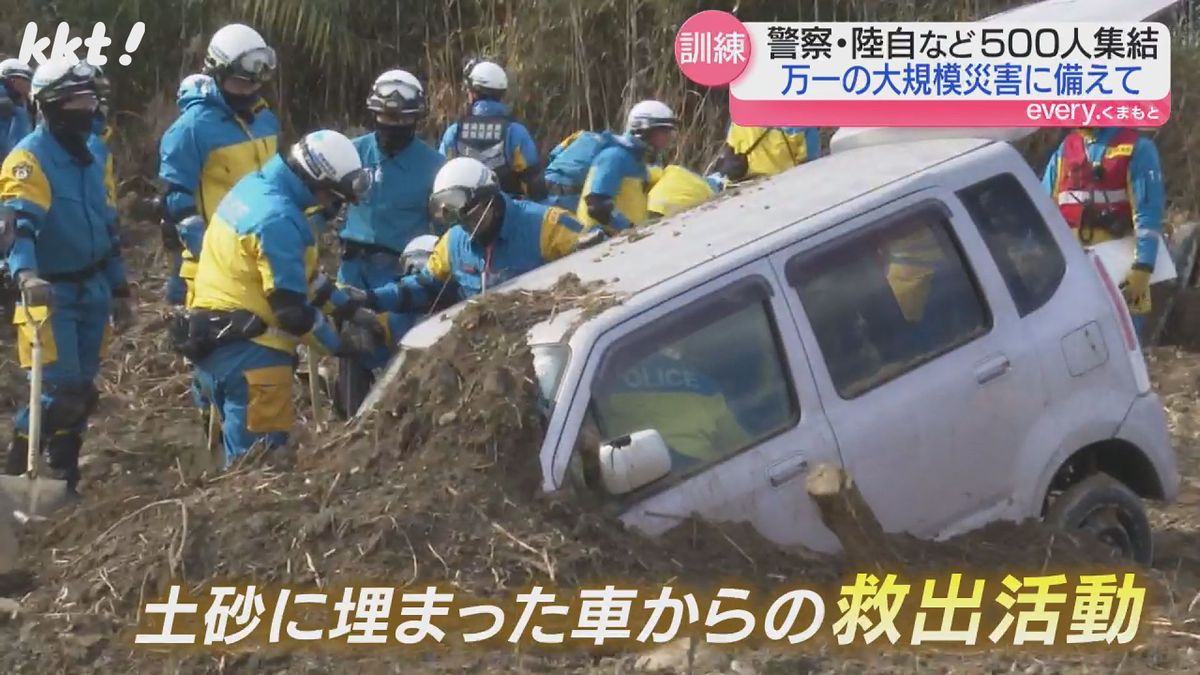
51 494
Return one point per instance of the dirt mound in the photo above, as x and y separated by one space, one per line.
441 486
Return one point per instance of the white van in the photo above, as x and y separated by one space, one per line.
916 313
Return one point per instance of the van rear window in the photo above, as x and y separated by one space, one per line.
1018 238
887 299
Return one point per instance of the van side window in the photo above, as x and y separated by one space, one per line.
1018 238
711 378
884 300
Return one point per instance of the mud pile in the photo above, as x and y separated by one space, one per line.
442 486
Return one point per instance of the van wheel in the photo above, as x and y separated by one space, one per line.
1108 510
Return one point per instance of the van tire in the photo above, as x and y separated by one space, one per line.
1106 508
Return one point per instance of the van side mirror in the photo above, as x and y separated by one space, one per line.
633 461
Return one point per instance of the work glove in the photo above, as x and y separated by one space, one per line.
123 309
590 238
35 291
733 165
1136 289
356 299
362 334
171 241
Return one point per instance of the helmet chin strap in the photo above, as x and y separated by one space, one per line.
483 219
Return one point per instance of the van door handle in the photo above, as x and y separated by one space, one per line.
786 470
991 368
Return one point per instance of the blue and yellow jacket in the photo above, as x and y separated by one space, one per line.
773 149
619 172
14 123
206 151
516 150
1147 195
569 161
685 406
66 212
531 235
260 240
397 208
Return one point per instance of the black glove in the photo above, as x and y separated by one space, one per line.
35 291
171 241
732 165
362 334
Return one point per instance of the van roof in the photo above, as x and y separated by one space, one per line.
680 243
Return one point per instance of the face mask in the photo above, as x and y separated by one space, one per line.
240 102
393 139
483 221
72 122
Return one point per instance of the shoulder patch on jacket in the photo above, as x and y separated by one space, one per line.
22 170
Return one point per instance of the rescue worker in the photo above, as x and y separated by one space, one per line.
665 393
494 238
224 131
752 152
15 121
392 214
489 134
66 258
1108 185
568 163
258 288
614 192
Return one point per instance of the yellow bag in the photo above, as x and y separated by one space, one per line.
677 190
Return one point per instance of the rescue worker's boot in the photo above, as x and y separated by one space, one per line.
62 452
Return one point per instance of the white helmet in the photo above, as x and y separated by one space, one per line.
239 50
650 115
460 184
63 77
417 253
486 75
397 92
328 160
15 68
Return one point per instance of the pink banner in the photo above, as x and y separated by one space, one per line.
1002 113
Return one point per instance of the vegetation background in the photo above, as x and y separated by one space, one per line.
572 63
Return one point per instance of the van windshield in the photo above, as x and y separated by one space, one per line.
549 363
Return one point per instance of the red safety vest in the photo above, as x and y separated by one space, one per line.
1103 186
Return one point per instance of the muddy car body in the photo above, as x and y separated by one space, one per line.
770 331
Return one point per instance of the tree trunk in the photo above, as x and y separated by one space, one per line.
846 513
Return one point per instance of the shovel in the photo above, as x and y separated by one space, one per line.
216 449
39 495
314 375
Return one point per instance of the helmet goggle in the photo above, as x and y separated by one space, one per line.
80 77
448 206
648 123
84 100
257 65
17 74
397 103
415 261
354 186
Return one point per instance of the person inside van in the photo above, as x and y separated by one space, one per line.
665 393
